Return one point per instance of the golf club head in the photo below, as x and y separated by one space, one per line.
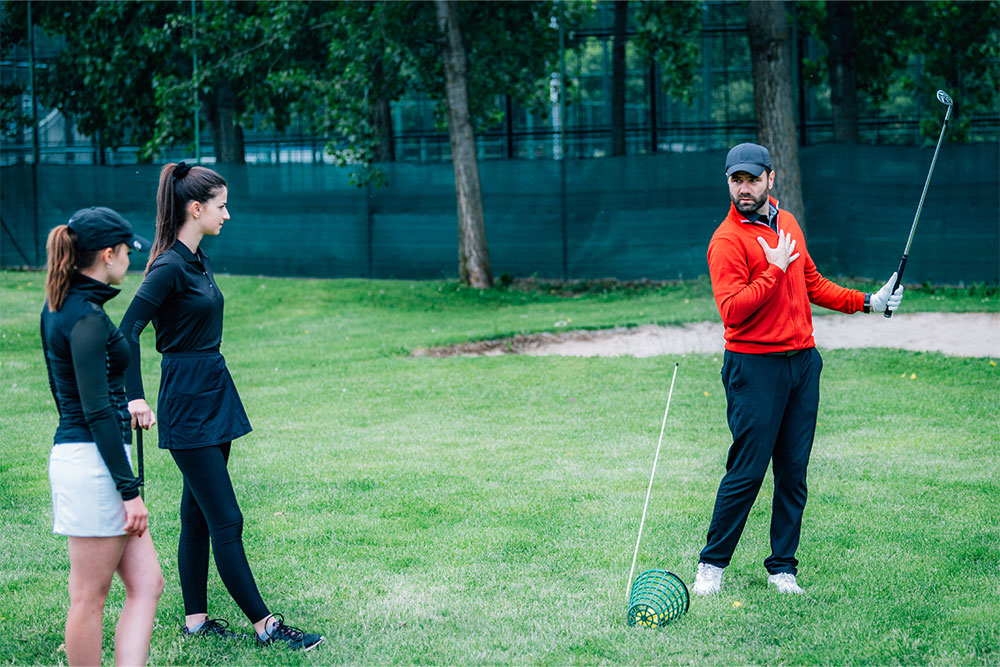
944 98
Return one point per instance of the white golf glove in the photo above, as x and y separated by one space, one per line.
882 298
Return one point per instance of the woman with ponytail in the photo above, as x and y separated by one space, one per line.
199 407
95 497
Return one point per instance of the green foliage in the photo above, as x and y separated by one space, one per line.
13 32
126 73
12 117
127 70
886 35
360 61
101 78
956 45
584 64
239 47
670 33
961 54
512 49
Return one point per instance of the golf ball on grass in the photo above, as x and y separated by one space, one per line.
646 617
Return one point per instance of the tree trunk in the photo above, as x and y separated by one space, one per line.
382 120
618 79
774 100
381 117
99 156
843 81
473 256
227 136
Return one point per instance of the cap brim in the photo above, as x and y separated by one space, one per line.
755 169
140 244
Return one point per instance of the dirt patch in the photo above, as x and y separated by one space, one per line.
953 334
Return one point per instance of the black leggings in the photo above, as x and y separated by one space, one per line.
209 511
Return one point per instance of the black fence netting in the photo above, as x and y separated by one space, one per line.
643 216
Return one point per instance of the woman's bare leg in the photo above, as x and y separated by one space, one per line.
139 570
92 563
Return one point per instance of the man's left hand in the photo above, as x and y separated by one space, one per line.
885 297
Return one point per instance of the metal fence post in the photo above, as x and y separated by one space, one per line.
370 221
562 140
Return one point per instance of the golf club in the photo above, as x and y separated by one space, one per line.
945 99
628 591
138 452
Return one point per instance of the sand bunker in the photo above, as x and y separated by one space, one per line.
953 334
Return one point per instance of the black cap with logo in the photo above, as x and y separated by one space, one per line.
99 227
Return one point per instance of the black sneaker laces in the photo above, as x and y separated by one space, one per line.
280 631
211 626
215 626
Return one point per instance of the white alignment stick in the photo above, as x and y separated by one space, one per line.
656 458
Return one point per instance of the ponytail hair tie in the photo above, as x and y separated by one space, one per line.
181 170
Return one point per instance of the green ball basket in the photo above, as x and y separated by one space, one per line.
658 597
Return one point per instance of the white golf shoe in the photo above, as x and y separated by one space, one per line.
708 580
785 583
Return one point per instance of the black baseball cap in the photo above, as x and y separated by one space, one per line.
99 227
751 158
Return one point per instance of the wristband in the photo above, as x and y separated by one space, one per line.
868 302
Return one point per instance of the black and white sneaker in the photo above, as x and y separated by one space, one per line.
293 638
213 627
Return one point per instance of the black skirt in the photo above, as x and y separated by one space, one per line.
198 405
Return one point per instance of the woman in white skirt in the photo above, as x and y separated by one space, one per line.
95 496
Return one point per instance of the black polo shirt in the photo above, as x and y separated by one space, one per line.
179 295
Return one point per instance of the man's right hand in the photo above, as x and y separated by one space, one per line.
781 256
142 414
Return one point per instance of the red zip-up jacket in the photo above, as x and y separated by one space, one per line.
764 308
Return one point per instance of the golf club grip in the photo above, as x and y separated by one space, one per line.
899 279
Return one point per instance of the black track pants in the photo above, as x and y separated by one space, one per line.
209 512
772 406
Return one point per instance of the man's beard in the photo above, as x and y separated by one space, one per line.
751 208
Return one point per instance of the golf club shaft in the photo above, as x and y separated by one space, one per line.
138 452
649 489
920 207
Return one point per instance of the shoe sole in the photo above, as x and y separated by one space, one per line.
309 648
236 636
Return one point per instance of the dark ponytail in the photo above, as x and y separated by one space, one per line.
179 184
63 258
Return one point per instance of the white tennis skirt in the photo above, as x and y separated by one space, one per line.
85 502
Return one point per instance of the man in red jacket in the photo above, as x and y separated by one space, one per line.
764 281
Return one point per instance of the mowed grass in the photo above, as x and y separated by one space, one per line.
484 510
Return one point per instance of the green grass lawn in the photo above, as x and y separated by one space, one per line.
484 510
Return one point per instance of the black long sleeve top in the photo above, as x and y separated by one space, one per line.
179 295
85 356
